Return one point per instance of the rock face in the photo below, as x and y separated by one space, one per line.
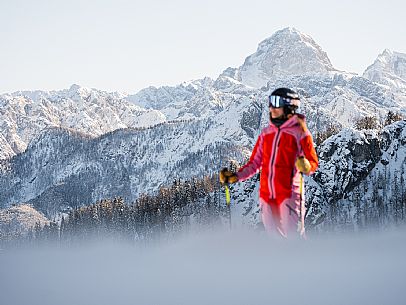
355 166
345 160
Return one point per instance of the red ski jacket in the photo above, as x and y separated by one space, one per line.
275 153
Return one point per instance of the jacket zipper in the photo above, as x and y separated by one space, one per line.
274 151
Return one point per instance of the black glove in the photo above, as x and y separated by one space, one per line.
227 177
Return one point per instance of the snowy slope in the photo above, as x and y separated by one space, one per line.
64 168
19 219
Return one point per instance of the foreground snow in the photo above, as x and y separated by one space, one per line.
212 268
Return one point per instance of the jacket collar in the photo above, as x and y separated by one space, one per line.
293 121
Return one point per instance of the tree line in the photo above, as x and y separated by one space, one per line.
183 205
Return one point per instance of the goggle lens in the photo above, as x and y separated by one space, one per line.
276 101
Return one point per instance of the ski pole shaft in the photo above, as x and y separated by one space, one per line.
302 216
228 199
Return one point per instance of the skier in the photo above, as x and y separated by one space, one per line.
283 152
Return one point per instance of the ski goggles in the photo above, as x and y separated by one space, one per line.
276 101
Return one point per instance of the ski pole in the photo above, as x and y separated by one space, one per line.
302 227
228 199
224 182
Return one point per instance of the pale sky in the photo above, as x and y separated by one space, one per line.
122 45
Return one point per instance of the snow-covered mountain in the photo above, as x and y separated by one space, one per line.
23 115
194 99
340 97
389 69
81 149
63 168
286 53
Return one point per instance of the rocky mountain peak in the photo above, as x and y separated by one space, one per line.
388 69
286 53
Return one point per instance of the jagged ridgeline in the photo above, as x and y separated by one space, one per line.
194 203
62 168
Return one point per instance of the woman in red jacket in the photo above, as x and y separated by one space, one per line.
283 152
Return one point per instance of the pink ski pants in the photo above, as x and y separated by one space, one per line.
286 218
